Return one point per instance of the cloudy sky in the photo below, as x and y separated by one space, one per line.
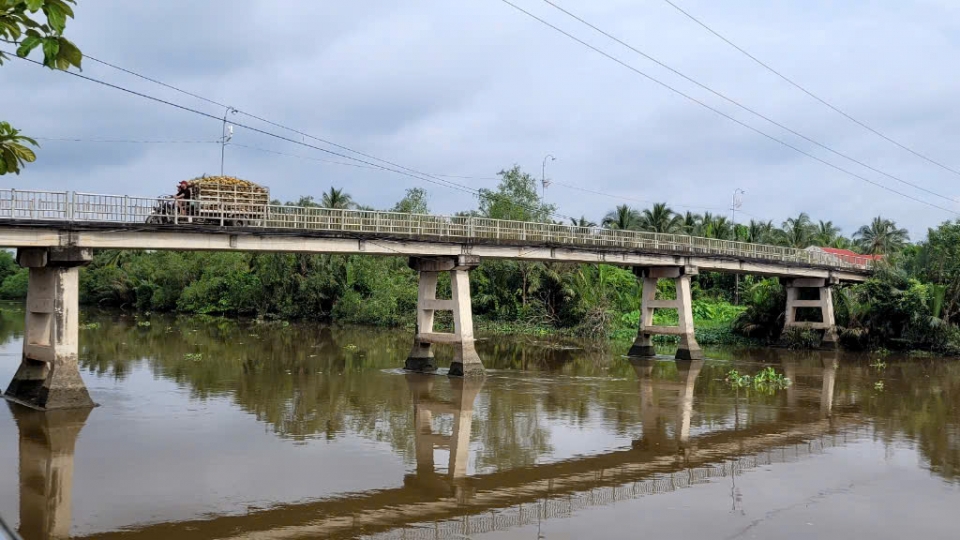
469 87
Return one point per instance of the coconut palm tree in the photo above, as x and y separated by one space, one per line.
719 227
760 232
881 236
704 223
842 242
660 218
582 222
336 198
797 232
826 233
690 223
622 218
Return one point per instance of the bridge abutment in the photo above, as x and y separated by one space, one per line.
466 362
688 348
824 303
49 377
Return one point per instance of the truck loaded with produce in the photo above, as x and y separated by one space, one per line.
214 200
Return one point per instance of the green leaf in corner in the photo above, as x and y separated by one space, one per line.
34 5
28 44
55 17
70 53
51 47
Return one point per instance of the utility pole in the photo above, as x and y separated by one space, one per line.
225 135
543 177
737 203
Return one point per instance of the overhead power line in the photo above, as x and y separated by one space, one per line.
748 109
261 119
811 94
303 134
721 113
413 174
121 141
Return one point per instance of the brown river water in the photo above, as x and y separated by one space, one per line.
212 428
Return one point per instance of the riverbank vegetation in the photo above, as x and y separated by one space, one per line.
912 302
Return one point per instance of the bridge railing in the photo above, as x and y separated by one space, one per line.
102 208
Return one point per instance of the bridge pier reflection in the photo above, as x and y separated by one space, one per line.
47 441
830 362
48 376
654 432
425 406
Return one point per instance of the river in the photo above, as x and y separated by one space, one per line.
214 428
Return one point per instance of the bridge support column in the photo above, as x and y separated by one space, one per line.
688 348
824 303
466 361
49 377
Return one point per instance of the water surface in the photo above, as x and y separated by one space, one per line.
223 429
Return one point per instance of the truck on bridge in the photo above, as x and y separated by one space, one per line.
214 200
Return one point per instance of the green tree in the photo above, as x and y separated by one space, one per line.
515 199
826 233
19 24
797 232
582 222
938 261
14 286
760 232
336 199
622 218
718 227
691 222
881 236
413 202
661 219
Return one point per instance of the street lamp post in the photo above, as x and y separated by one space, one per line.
225 136
737 203
543 176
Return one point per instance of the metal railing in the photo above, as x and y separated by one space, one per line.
75 206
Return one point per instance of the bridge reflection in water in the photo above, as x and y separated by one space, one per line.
442 500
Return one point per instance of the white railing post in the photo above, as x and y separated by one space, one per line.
176 212
125 211
71 202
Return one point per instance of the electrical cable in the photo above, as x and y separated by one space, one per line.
748 109
811 94
723 114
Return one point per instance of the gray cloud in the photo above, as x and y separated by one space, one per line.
469 88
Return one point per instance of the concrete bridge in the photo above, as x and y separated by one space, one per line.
55 234
446 502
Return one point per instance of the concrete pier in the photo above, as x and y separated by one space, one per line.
466 362
688 349
824 303
48 377
47 441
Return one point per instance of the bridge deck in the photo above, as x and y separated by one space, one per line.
48 219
